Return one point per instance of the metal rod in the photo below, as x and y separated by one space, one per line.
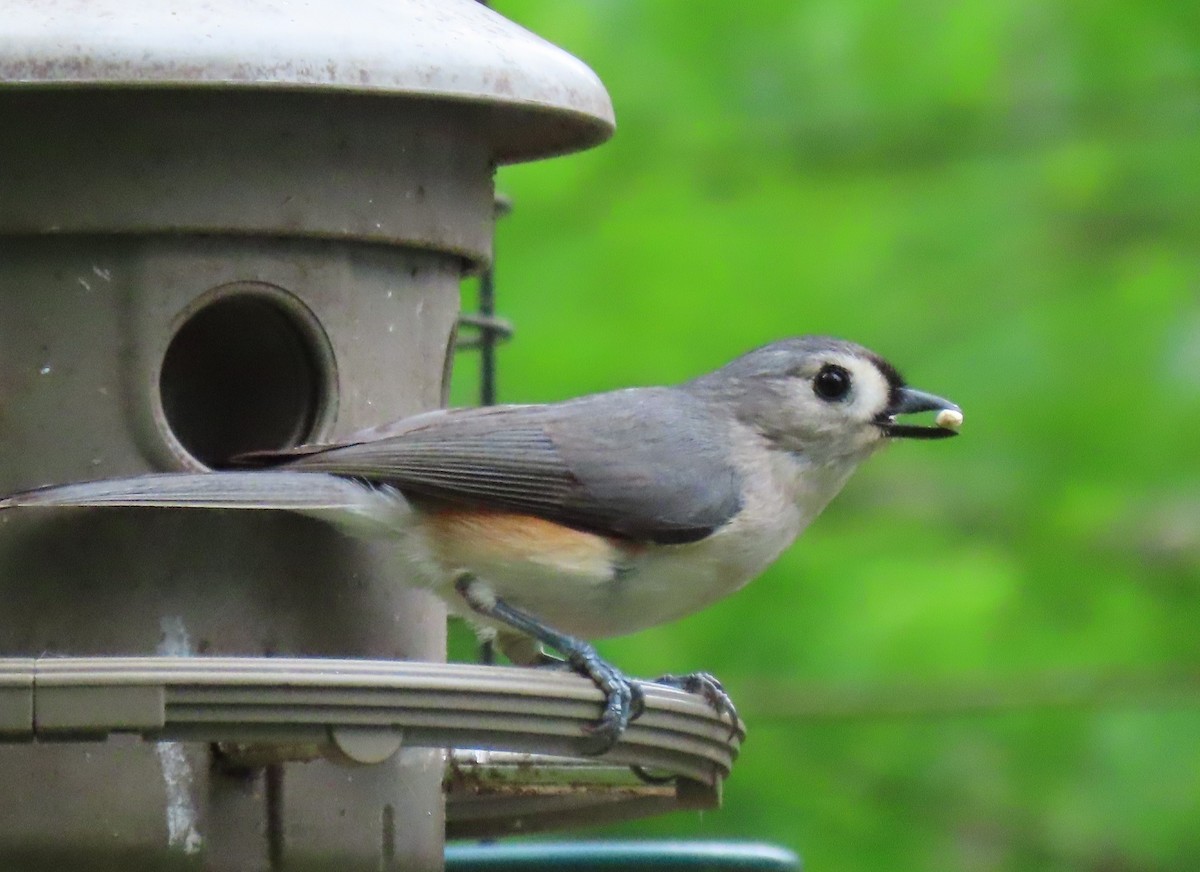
487 338
491 330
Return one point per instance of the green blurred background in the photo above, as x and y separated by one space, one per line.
985 654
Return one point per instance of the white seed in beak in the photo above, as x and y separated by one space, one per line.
948 419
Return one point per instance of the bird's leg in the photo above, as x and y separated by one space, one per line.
487 652
623 699
710 688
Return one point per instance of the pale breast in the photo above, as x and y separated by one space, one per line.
595 586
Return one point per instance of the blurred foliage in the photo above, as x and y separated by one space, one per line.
984 655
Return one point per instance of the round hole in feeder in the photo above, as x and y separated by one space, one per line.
248 369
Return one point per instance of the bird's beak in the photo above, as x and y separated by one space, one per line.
908 401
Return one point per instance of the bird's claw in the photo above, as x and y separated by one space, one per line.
623 700
639 700
710 689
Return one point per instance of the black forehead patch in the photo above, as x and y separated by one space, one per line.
894 379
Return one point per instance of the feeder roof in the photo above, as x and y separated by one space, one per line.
539 99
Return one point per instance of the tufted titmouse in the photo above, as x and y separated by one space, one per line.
593 517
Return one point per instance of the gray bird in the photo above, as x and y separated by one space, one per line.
598 516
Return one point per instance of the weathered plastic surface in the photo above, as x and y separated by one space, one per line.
490 794
86 322
525 727
228 226
318 701
535 98
258 164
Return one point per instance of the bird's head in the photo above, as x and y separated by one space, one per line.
826 399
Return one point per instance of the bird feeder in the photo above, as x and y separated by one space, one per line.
227 227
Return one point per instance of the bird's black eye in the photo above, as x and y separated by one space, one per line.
832 382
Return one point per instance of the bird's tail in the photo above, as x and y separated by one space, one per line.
357 507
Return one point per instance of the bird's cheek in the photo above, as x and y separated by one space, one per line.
875 440
865 441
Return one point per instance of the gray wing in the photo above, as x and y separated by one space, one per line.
645 463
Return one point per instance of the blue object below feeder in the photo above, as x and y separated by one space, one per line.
665 856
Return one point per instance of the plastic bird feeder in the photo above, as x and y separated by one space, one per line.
227 227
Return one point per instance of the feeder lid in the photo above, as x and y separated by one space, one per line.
540 100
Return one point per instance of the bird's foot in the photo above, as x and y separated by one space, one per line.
624 701
710 689
623 698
